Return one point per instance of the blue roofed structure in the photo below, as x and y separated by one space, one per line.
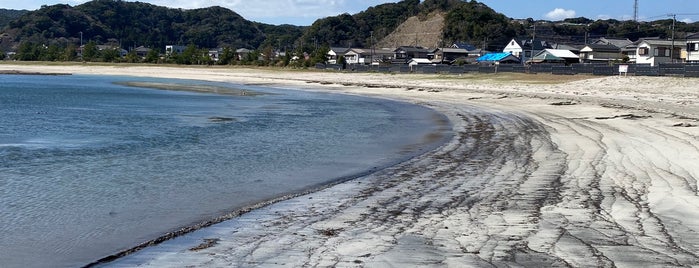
501 57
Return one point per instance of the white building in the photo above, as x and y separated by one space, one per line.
524 49
693 48
170 49
335 53
654 52
365 55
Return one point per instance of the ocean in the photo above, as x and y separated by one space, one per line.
90 166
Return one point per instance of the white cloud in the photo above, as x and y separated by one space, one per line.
560 14
687 20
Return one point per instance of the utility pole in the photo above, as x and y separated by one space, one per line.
672 47
81 46
531 54
635 11
371 42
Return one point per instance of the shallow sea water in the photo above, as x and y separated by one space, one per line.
89 168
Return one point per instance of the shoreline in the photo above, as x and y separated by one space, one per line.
540 173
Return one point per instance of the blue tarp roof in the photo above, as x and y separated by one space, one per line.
494 56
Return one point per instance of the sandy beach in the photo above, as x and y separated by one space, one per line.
542 171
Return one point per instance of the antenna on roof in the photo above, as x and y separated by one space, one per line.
635 11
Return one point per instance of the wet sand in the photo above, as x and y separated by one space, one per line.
542 171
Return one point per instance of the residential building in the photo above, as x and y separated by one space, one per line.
215 54
122 52
141 51
524 49
629 52
655 51
335 53
367 56
617 42
462 45
449 55
600 53
573 48
170 49
242 53
498 58
693 48
555 56
404 53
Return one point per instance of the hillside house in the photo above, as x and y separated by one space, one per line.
335 53
600 53
404 53
367 55
692 48
524 49
449 55
654 51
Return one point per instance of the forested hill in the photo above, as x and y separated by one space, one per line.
464 21
132 24
7 15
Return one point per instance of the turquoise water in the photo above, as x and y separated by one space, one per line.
89 168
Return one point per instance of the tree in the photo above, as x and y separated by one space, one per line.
153 56
111 54
268 55
342 61
132 57
226 57
70 53
50 53
320 55
188 56
90 51
28 51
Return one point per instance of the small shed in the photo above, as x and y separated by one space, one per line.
419 61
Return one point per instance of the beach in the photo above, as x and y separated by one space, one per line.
542 171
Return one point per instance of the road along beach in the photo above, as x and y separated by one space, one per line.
542 171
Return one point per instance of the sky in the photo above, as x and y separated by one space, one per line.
305 12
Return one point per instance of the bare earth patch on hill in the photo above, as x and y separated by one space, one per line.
426 32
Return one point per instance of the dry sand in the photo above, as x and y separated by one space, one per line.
542 171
